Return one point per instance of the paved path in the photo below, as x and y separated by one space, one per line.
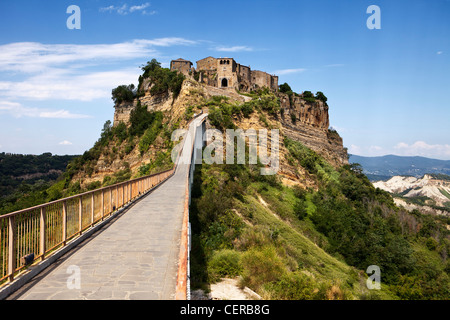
136 257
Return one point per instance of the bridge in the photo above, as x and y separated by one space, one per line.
127 241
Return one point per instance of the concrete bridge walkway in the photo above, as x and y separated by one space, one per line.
135 257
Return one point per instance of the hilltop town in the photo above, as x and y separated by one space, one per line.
226 73
303 116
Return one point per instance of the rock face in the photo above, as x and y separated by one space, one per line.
122 111
308 122
314 114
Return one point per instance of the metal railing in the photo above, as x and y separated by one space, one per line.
33 234
183 281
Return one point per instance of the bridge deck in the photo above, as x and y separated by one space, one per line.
136 257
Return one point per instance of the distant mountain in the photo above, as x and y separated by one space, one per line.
429 194
385 167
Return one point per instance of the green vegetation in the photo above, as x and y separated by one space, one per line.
307 95
221 112
24 177
162 80
292 243
123 93
320 96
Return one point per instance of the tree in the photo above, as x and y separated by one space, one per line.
308 94
320 96
150 67
285 88
123 93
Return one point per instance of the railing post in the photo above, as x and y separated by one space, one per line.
117 197
92 208
43 231
110 201
11 247
123 194
103 204
80 214
64 224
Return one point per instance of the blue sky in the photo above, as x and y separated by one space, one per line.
387 89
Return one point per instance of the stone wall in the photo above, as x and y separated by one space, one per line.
237 76
181 65
208 63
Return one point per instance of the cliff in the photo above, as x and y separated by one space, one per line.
308 122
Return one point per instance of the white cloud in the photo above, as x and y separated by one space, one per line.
17 110
65 143
418 148
354 149
61 114
289 71
421 148
125 9
375 148
440 52
369 151
32 57
68 85
233 49
73 72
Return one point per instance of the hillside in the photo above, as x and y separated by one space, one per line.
385 167
21 175
302 243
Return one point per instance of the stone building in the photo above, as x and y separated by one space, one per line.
226 73
183 66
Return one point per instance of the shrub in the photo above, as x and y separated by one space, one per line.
247 109
151 133
224 263
261 266
189 112
294 286
221 118
300 209
140 120
93 185
293 118
121 131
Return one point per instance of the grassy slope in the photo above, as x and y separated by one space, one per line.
249 226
